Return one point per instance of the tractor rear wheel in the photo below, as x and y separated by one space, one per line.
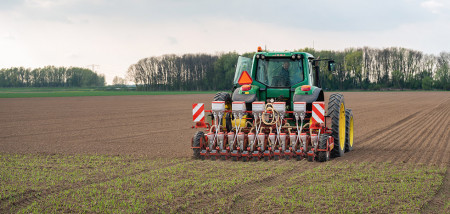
323 156
199 138
348 130
225 96
336 110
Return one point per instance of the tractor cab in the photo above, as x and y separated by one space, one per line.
278 76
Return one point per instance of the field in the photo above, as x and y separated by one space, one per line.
132 154
81 92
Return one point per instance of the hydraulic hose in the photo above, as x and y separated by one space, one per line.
274 120
214 126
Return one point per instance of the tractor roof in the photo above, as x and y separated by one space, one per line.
285 54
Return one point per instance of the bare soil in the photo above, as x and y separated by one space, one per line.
391 126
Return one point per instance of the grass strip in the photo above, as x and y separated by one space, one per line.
77 92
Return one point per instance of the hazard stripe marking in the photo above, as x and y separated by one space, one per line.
318 112
198 112
319 108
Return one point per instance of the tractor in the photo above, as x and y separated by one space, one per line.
276 110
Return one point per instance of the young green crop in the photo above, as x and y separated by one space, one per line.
117 184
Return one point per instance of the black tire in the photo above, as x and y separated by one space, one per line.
299 158
323 156
287 157
225 96
234 158
310 158
213 157
336 111
198 136
266 158
276 157
348 130
244 159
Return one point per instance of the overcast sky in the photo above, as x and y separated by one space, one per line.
117 33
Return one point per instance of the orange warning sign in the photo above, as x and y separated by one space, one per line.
245 79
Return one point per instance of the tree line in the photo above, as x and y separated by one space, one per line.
356 68
172 72
388 68
185 72
50 76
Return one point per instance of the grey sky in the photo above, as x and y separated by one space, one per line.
115 34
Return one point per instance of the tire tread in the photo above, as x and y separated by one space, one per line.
334 105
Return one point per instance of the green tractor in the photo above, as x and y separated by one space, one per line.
275 110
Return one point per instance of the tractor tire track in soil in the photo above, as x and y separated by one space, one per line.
255 190
247 191
437 204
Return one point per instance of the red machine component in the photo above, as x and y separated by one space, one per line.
261 139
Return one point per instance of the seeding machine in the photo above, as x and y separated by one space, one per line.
276 110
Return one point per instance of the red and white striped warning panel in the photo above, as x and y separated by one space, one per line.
318 112
198 112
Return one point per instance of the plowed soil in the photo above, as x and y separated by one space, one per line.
391 126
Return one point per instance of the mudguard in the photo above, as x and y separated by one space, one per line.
238 95
315 94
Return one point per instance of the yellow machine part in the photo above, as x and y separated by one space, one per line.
342 126
351 131
238 121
